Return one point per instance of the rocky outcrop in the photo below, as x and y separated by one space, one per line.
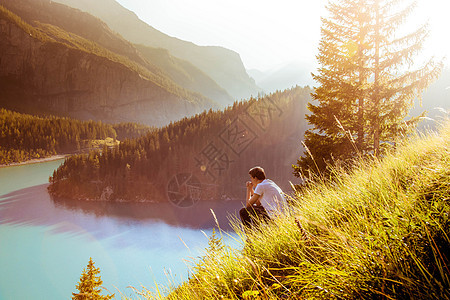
47 76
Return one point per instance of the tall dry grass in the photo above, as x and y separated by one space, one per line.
380 231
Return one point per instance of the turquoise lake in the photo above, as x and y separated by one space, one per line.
45 243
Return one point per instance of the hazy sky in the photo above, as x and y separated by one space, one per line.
268 33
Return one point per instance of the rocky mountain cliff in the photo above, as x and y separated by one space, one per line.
73 21
224 66
45 68
91 28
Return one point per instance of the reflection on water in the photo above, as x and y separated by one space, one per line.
35 206
197 216
126 223
46 242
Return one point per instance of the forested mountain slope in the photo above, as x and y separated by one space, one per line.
24 137
206 157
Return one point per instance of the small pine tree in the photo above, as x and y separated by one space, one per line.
89 285
213 251
215 243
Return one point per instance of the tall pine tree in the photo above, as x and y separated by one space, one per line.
90 284
366 86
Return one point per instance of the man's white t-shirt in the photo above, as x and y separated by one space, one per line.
271 196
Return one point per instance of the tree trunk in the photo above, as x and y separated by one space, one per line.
360 125
376 94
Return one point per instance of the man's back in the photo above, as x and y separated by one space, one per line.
271 196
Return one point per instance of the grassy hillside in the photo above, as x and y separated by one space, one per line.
379 232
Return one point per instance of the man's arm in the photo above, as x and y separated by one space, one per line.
254 199
249 191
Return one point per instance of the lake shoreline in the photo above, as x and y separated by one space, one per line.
35 161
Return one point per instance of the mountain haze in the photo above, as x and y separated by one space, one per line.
222 65
435 101
283 77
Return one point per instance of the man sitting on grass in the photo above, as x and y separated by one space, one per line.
264 198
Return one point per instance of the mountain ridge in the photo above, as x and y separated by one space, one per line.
49 69
223 65
185 74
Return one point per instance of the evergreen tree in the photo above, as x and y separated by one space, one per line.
89 285
215 244
363 95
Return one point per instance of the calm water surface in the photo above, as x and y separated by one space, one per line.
45 243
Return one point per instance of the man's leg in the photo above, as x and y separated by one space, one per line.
245 214
253 214
261 214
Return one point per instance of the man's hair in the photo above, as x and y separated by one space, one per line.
258 173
